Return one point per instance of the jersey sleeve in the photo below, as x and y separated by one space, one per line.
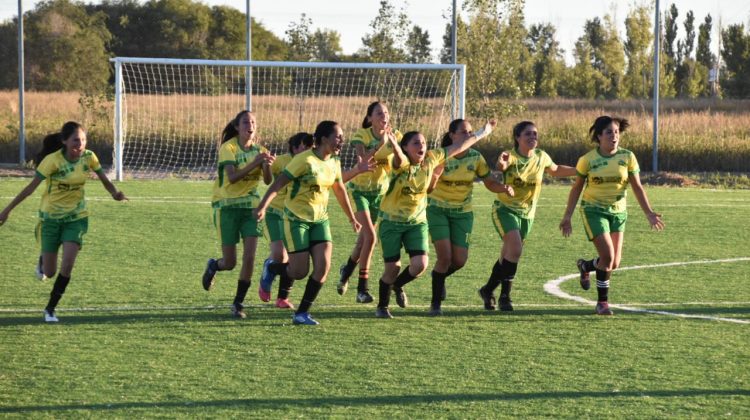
296 168
227 155
482 170
94 163
339 178
633 164
435 157
46 167
546 160
359 138
277 166
582 167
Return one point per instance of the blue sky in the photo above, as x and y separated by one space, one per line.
352 17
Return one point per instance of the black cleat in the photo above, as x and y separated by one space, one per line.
364 297
488 298
506 304
209 276
383 313
401 299
238 311
585 281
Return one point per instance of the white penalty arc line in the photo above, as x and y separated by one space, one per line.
553 288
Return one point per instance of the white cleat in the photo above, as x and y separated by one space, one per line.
49 316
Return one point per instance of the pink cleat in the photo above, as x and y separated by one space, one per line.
284 304
264 295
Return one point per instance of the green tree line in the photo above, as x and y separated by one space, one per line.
68 44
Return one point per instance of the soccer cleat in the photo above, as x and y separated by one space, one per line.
383 313
506 304
266 281
238 311
602 308
488 298
284 304
364 297
401 299
49 316
39 271
209 276
585 281
304 319
435 311
343 285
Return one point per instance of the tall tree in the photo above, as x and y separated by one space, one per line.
638 39
735 80
703 53
418 49
685 77
327 45
299 39
547 57
670 32
388 30
66 48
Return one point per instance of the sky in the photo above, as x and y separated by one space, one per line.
351 18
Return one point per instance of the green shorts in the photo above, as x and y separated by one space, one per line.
300 236
52 233
506 220
597 221
412 235
233 223
450 224
275 226
368 201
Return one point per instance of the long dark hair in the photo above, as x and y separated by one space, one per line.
300 138
452 128
518 129
324 129
603 122
370 109
406 138
230 131
54 142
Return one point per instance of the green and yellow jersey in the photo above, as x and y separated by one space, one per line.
456 184
311 179
525 175
377 179
405 200
244 193
606 178
64 196
277 205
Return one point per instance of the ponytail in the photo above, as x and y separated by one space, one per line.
54 142
230 131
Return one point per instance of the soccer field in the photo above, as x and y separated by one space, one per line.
139 337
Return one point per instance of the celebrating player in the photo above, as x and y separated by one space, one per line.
403 210
298 143
603 176
307 231
523 168
64 163
242 164
365 193
449 212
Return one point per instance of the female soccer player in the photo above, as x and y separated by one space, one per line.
365 193
523 168
449 212
403 210
306 229
603 176
242 164
298 143
64 163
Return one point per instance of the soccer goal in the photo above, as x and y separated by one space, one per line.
169 113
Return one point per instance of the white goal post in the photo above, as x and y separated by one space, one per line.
169 113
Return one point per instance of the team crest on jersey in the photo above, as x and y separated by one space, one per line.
470 167
622 163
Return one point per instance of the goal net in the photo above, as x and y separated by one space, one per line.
169 113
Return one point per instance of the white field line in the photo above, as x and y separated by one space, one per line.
269 306
553 287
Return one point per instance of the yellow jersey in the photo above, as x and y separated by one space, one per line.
244 193
63 197
606 179
405 200
311 179
277 205
525 175
456 184
377 179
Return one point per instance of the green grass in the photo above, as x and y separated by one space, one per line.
152 343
